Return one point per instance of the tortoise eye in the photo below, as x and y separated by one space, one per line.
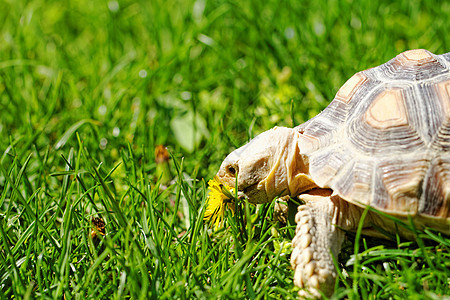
232 170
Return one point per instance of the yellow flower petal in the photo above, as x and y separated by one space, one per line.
218 199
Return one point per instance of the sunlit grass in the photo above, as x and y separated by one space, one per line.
89 89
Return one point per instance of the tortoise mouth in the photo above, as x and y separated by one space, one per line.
248 191
253 194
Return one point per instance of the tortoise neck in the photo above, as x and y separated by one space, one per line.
297 169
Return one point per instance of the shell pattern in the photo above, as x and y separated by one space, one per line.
384 140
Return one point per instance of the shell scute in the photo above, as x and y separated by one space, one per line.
346 92
435 200
328 164
388 109
354 181
402 179
442 137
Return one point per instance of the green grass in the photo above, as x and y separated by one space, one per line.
89 88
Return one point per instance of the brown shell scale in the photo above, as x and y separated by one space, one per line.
384 140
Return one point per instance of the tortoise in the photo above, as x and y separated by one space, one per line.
383 142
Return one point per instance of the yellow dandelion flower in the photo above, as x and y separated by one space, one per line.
219 198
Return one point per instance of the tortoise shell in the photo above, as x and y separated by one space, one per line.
384 140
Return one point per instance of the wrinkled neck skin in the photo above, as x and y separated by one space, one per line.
289 172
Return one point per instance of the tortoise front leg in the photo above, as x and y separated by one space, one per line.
317 239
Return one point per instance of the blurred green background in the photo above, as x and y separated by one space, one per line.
87 86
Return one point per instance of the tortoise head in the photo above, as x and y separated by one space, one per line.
268 166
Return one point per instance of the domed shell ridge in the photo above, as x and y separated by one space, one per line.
412 65
380 141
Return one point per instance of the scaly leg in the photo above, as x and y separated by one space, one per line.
317 239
